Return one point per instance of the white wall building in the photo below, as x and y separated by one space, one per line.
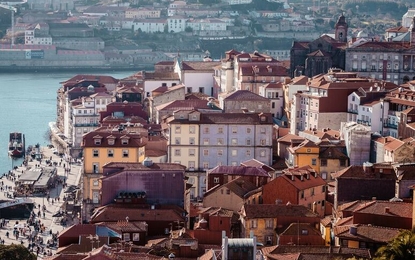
176 24
274 92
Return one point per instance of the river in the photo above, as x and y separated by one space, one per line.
28 104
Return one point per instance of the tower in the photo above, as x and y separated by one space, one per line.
412 32
341 29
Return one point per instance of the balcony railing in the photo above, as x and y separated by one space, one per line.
86 125
389 125
354 111
363 122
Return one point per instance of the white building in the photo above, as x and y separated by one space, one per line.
274 92
147 25
408 17
367 107
357 139
176 24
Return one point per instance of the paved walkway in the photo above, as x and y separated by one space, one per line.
50 225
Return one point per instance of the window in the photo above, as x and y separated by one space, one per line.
248 130
205 165
95 153
254 223
191 140
323 189
95 183
234 129
313 161
111 141
262 153
263 130
206 152
234 152
304 232
248 141
312 192
220 141
177 129
177 140
234 141
248 152
220 130
324 175
192 129
220 152
191 152
263 142
97 141
342 162
126 236
269 223
228 191
125 153
95 167
206 141
206 130
136 236
215 179
110 153
302 194
124 141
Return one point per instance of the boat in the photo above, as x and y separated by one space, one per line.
16 145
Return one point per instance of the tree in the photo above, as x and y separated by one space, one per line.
401 247
16 252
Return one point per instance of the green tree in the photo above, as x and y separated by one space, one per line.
401 247
16 252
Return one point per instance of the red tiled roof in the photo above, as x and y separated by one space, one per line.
302 178
199 66
358 172
244 95
239 170
253 211
386 208
367 233
113 214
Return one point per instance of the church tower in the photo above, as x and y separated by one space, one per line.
412 32
341 29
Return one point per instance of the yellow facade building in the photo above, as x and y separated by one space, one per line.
103 146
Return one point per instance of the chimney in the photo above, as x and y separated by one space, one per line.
353 230
387 210
302 177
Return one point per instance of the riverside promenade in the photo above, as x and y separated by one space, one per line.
68 175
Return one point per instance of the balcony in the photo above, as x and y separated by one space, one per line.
394 113
363 122
390 125
353 111
86 125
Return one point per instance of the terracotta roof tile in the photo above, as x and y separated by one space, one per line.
367 233
386 208
253 211
244 95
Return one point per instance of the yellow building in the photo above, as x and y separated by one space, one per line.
184 139
104 145
307 153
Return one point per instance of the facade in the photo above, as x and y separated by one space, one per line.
163 95
244 100
142 12
318 56
146 25
357 139
264 219
300 234
300 186
176 24
197 76
274 92
314 109
223 174
201 141
230 196
247 71
104 145
154 183
380 178
392 61
85 117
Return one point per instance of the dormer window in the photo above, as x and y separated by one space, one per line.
97 141
124 141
